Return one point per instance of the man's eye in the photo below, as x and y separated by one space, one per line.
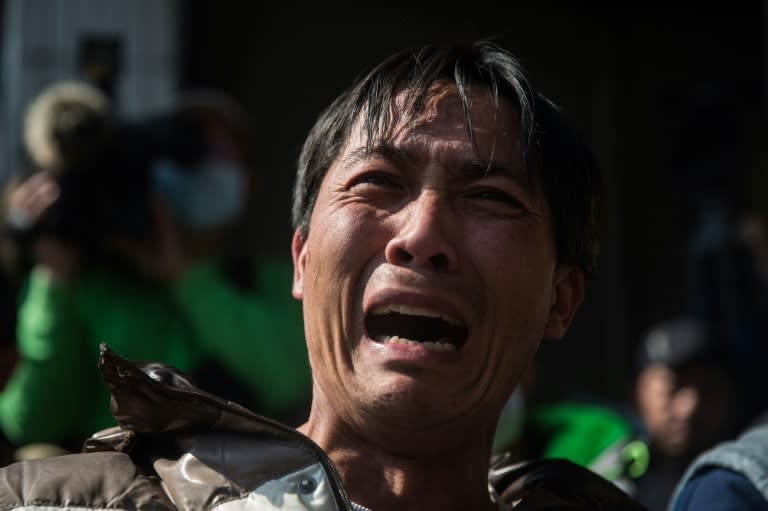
497 196
374 180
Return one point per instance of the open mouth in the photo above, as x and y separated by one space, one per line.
409 325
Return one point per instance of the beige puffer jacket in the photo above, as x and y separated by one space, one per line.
179 448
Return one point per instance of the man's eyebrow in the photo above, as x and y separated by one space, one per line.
382 150
477 167
483 167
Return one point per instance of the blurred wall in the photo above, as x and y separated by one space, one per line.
129 48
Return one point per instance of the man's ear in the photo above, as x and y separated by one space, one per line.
567 295
299 254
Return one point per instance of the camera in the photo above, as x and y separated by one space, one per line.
102 165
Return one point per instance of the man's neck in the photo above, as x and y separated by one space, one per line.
451 473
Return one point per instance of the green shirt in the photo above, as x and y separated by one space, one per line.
55 392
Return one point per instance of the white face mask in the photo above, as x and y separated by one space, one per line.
209 195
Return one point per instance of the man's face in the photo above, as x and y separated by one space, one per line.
429 273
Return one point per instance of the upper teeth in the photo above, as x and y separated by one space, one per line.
412 311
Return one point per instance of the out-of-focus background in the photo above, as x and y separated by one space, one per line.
672 100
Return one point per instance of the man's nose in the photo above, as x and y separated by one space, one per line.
425 235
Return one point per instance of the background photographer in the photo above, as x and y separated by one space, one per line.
131 233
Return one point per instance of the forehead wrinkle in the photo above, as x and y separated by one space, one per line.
382 149
392 142
406 115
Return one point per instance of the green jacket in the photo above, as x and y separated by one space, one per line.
55 393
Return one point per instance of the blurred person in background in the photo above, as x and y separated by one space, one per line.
132 233
685 399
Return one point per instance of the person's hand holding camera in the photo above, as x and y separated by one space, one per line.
27 203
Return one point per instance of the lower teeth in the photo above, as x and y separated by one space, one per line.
433 346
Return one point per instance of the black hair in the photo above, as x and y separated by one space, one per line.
566 166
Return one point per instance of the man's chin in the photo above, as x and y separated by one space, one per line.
405 396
